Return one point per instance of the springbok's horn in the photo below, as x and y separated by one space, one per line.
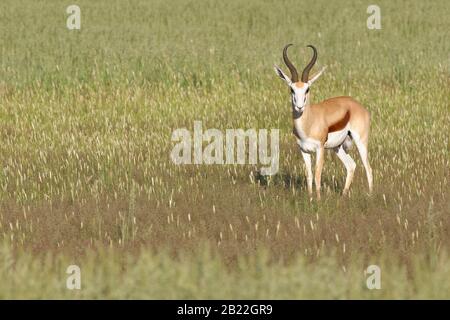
305 73
294 74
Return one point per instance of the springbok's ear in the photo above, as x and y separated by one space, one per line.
316 76
282 75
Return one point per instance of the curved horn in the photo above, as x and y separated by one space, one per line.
294 74
305 73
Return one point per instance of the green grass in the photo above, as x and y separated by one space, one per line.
85 124
204 276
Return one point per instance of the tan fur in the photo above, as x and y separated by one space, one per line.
340 124
334 114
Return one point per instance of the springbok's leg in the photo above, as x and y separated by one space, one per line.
320 153
309 175
349 164
361 144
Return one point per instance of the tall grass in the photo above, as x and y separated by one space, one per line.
85 124
204 276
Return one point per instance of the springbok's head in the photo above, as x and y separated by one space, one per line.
299 89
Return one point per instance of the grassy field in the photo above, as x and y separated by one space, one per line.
86 118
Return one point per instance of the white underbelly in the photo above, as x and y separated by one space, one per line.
335 139
308 145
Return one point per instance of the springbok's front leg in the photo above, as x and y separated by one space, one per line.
319 166
309 175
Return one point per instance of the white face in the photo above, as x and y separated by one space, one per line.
299 89
299 95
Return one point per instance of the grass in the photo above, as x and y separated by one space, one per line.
204 276
85 124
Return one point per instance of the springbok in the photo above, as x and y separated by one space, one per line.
331 124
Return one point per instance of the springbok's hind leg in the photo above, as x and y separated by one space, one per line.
361 144
349 164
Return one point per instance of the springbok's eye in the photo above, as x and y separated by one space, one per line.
307 91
